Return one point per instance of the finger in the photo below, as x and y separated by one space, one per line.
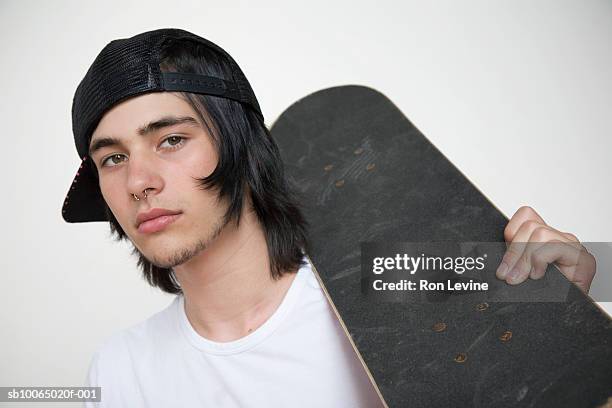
517 247
553 251
522 215
570 236
523 267
550 237
574 241
577 265
518 230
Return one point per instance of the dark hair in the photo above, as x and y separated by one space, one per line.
249 163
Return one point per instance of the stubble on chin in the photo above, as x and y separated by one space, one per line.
183 255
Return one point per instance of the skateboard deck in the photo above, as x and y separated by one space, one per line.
367 175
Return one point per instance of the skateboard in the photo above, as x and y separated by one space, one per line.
371 182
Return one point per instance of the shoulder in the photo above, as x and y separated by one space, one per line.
311 277
314 307
114 358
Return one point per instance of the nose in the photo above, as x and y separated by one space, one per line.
143 174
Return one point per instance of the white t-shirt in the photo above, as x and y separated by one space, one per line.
300 357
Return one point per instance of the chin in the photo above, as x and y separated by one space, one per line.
173 253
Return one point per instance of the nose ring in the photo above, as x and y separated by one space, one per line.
145 194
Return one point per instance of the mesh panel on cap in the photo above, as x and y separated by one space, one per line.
122 69
128 67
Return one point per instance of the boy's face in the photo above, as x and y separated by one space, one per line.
152 152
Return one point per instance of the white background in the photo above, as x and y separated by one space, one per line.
518 94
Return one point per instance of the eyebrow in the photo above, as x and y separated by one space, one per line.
149 128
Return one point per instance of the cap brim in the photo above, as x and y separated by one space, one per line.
84 201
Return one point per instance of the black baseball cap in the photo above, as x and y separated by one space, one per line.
125 68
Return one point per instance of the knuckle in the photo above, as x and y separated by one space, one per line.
525 210
540 234
532 225
571 236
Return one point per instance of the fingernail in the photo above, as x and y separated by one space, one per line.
502 270
513 275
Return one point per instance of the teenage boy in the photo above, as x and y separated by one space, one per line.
177 158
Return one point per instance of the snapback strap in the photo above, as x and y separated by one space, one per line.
201 84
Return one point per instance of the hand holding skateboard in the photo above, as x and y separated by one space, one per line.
533 245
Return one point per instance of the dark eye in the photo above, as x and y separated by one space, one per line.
115 158
173 141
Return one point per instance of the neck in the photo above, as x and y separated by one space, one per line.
228 288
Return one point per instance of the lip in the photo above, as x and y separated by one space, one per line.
155 219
